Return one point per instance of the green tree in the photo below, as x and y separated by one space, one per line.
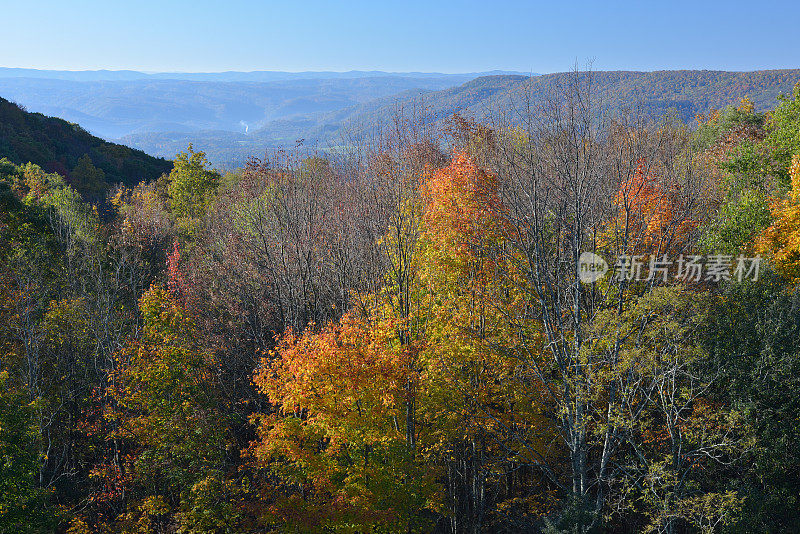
191 188
738 224
168 414
676 434
752 339
23 505
783 133
88 179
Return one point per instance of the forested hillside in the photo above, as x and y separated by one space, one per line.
687 93
89 163
583 320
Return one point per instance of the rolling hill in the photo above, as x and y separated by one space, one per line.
112 104
234 115
688 92
59 146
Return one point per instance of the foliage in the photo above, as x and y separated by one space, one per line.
399 339
190 189
783 127
752 339
651 214
90 181
166 410
715 124
58 146
22 501
340 394
737 225
682 431
782 238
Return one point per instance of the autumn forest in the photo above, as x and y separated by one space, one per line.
403 335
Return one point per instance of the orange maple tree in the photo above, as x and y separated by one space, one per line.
652 216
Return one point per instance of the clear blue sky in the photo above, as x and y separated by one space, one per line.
402 35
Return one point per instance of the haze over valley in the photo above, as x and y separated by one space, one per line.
234 115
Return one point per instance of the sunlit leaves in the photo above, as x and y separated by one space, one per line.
652 216
782 238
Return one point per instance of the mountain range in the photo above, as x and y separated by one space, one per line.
686 93
228 76
113 104
235 115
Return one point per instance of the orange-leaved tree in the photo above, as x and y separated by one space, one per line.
337 432
486 408
653 215
345 439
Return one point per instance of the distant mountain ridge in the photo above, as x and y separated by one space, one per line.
113 104
234 119
689 92
227 76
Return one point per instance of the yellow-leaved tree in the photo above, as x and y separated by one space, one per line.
782 239
486 408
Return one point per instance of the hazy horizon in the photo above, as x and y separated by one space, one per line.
464 37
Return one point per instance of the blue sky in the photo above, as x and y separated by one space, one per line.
402 35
